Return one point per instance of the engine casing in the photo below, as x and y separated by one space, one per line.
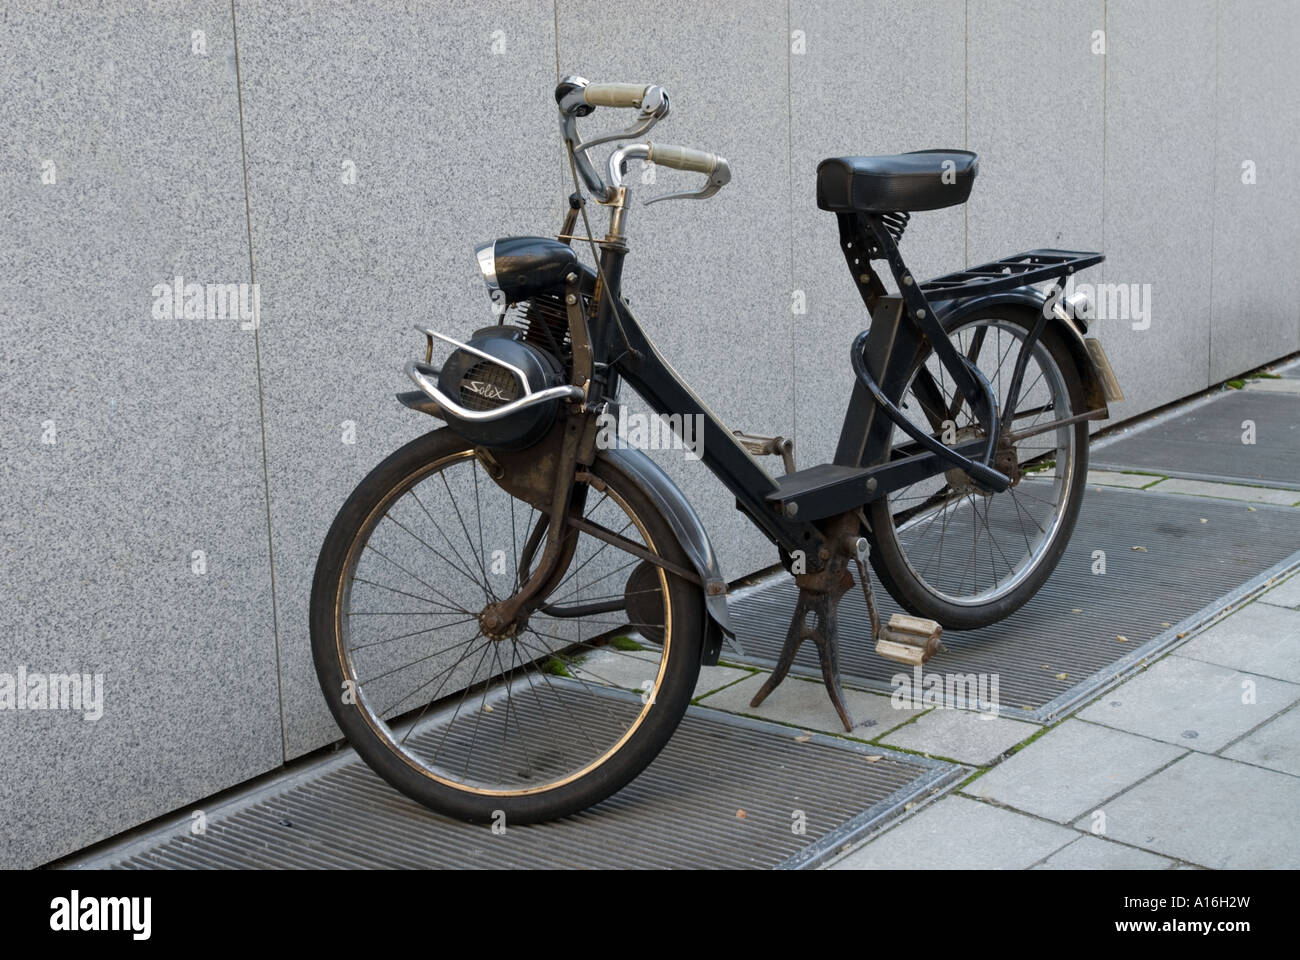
480 384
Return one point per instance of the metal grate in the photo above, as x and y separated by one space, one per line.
487 385
547 321
681 812
1046 656
1204 442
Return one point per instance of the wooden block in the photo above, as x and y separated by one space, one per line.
919 626
906 653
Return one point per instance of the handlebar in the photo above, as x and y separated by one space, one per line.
683 158
577 97
615 94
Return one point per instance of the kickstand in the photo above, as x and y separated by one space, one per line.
906 639
816 618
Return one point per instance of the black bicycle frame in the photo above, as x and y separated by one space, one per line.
867 464
647 371
663 389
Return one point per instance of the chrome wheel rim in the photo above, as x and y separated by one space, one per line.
991 543
524 712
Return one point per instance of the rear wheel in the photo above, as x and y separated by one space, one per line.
482 721
945 547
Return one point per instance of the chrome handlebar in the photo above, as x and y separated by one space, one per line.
578 98
679 158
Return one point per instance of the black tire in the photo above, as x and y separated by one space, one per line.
679 661
889 556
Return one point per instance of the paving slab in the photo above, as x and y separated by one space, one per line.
629 669
804 703
1093 853
1211 811
1228 491
1258 638
712 678
960 834
1275 745
1191 703
1111 478
1069 770
961 735
1285 594
1269 385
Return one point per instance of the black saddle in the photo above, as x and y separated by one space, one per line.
924 180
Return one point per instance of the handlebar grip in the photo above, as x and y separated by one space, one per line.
683 158
615 94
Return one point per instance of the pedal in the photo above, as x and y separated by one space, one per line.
768 447
909 640
905 639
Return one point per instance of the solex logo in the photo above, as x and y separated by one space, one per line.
75 913
484 389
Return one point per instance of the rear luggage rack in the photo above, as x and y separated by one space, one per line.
1008 273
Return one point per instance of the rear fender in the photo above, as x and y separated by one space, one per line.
1093 388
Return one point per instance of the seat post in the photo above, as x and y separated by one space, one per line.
920 312
857 248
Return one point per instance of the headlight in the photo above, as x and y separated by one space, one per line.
487 262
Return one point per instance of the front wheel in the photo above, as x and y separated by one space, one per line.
947 548
524 722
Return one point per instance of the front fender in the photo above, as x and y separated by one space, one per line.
685 523
421 401
681 516
1094 390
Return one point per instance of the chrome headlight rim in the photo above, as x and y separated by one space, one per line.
487 263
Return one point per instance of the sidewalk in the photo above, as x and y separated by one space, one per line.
1192 763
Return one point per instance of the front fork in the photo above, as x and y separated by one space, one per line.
546 476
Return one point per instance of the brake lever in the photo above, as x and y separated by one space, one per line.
719 178
653 109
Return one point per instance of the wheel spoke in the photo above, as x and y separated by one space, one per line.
528 704
925 519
